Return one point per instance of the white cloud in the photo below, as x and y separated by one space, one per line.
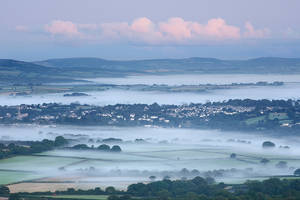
142 30
251 32
59 27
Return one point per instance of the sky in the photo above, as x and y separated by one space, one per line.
141 29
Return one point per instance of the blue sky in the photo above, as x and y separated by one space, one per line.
138 29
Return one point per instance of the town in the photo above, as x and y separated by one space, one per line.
251 115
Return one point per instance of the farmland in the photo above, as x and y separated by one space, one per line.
61 169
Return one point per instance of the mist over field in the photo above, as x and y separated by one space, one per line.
155 135
149 152
149 100
112 96
164 151
197 78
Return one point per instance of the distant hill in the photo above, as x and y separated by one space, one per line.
187 65
19 72
68 69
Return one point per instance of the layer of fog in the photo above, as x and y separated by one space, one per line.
196 79
113 96
184 144
165 152
153 135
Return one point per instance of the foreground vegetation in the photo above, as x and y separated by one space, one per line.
194 189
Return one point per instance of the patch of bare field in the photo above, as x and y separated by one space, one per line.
43 187
61 183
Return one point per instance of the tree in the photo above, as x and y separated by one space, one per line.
281 164
297 172
192 196
210 180
152 178
184 172
4 190
80 146
264 161
60 141
14 197
233 155
103 147
195 172
2 146
164 194
110 190
199 181
48 142
116 148
71 191
11 146
183 178
268 144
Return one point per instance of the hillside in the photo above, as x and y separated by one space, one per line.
68 69
19 72
201 65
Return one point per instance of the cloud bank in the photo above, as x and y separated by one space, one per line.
66 28
175 30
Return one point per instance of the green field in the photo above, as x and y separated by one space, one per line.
138 158
24 168
255 120
7 177
282 117
279 116
35 163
